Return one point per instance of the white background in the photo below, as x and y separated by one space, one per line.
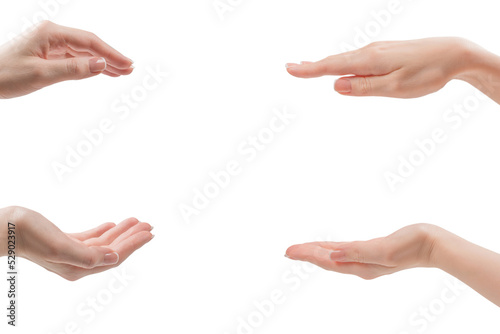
321 178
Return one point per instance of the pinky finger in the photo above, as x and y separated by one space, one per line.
110 74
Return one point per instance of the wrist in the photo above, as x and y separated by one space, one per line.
431 241
442 246
476 65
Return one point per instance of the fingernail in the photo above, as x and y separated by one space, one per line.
152 227
343 85
111 258
152 237
286 255
336 255
290 65
97 65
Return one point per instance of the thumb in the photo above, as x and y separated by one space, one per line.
83 256
363 86
73 68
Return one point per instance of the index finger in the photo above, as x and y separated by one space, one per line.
93 233
82 41
359 62
311 252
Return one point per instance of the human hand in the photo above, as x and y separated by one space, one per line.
51 53
403 69
409 247
73 256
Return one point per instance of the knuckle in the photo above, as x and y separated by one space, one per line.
93 39
349 57
357 256
390 257
376 48
92 36
89 261
373 51
43 26
375 44
75 68
364 86
38 73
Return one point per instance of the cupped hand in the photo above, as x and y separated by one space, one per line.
409 247
403 69
73 256
51 53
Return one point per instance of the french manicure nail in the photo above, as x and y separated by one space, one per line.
111 258
152 227
343 85
290 65
286 255
97 65
152 237
336 255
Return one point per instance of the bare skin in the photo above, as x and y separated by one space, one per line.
420 245
71 255
51 53
407 69
44 56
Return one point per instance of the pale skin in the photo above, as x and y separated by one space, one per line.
46 55
408 69
51 53
70 255
413 246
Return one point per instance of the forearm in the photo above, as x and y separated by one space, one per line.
481 69
477 267
11 214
